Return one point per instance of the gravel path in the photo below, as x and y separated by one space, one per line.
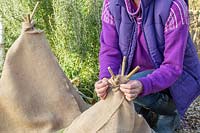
191 123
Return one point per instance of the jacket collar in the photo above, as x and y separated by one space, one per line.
145 3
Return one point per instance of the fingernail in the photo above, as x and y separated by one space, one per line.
102 98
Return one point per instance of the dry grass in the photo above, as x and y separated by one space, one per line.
195 22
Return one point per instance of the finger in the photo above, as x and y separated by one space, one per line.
126 86
104 97
105 80
131 84
101 95
100 84
129 99
131 88
130 96
101 90
124 90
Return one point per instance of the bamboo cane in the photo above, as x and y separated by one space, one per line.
34 10
132 72
123 66
111 72
28 18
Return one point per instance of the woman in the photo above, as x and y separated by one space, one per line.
153 34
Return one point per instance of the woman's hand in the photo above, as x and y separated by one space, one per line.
131 89
101 87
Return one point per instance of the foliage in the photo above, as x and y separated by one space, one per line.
72 28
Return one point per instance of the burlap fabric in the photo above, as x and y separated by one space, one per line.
35 95
112 115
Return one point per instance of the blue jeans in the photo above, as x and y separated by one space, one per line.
160 103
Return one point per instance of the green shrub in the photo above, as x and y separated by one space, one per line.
72 28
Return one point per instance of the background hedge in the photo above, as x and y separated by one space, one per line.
72 28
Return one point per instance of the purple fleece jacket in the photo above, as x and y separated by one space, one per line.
176 31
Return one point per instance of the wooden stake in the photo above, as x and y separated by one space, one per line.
111 72
24 18
34 10
28 18
132 72
123 66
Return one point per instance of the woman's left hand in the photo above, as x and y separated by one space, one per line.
131 89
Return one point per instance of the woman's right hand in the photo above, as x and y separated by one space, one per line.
101 87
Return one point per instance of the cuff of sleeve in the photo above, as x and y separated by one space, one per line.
146 86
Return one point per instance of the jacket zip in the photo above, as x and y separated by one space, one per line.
131 43
145 36
148 47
